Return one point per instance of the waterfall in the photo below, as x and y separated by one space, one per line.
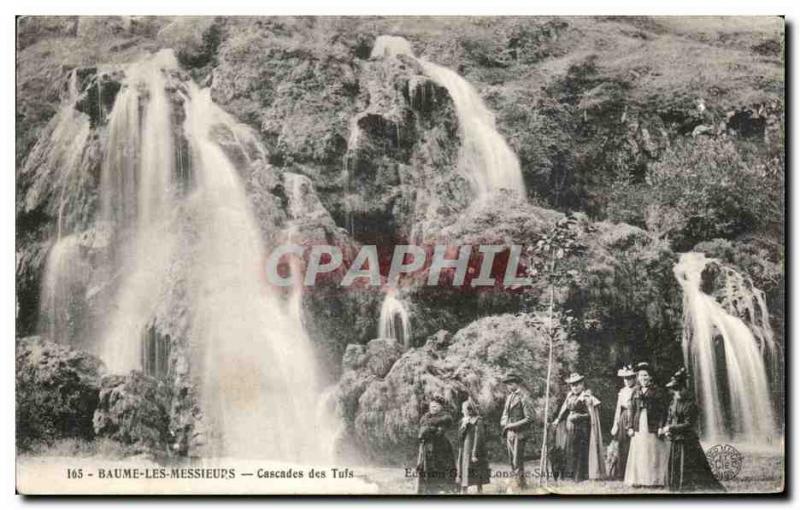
328 413
484 158
394 321
186 261
61 292
138 201
260 373
726 354
293 184
59 159
352 144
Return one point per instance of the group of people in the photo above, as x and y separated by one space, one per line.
440 469
654 442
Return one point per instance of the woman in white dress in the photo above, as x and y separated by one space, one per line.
648 454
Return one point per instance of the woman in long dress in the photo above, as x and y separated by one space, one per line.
648 454
688 468
436 470
583 446
622 421
473 460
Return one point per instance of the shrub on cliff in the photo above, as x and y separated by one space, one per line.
704 188
57 392
133 409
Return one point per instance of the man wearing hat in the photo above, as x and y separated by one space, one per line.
516 421
622 421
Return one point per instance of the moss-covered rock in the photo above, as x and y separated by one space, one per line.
57 391
134 410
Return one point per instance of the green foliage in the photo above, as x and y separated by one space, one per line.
57 392
134 410
204 53
702 188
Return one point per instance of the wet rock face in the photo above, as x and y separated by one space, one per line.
400 165
195 39
134 410
99 90
32 28
375 136
57 391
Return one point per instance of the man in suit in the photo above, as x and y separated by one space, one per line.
516 421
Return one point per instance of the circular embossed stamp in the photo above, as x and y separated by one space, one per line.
725 461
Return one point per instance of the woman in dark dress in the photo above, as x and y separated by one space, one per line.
436 468
473 459
583 445
687 468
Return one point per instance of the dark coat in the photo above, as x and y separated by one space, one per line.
688 468
655 400
518 408
575 413
472 443
623 420
436 467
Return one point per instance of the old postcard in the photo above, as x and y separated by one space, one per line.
400 255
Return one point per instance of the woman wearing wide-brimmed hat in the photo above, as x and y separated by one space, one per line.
436 469
687 468
622 421
579 415
648 454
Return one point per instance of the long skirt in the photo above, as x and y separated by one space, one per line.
624 444
647 457
471 473
577 450
436 467
688 468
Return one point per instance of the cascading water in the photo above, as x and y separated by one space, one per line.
352 144
61 284
293 183
259 366
59 160
198 250
394 320
726 354
137 192
485 158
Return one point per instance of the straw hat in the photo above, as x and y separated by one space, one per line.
573 378
512 377
626 371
